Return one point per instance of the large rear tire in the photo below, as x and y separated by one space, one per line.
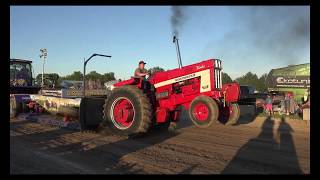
203 111
127 111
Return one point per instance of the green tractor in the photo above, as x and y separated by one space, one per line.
21 85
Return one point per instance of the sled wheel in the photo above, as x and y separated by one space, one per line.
13 108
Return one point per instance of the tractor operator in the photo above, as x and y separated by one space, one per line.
141 71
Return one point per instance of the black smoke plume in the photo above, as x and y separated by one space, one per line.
280 34
178 18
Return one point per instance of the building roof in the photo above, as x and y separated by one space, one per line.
292 70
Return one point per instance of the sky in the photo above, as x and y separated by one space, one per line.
254 39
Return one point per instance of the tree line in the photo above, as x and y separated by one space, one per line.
51 79
248 79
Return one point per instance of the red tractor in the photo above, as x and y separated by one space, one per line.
136 105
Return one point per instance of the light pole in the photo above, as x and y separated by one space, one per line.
44 56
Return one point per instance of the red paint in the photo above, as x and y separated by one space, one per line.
162 115
201 112
132 81
123 112
31 104
232 91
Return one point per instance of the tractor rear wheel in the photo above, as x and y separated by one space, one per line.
127 111
203 111
230 114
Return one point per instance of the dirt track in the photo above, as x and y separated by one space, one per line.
261 146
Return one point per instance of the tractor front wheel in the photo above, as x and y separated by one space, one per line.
203 111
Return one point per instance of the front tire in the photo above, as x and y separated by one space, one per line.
203 111
127 111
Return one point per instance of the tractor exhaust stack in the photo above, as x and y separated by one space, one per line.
176 41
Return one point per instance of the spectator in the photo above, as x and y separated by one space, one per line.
292 104
282 108
306 104
268 106
305 96
287 103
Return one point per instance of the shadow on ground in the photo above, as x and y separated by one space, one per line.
248 114
103 158
184 120
266 156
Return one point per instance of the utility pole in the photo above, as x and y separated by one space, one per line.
44 56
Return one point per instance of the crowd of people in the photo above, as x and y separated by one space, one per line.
287 105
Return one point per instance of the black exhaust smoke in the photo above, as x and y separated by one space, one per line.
274 34
178 18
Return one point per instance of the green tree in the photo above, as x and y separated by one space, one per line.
156 69
75 76
226 78
49 79
253 80
262 83
248 79
93 75
108 77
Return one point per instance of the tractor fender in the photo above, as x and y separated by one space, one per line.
231 92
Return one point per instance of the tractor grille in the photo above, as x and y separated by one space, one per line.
218 74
